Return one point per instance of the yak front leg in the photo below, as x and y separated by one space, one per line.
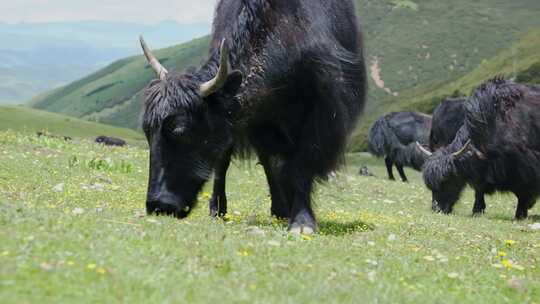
218 202
389 163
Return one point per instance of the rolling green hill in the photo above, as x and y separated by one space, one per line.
111 95
521 61
23 119
412 47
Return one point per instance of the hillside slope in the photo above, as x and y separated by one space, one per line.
408 44
521 61
23 119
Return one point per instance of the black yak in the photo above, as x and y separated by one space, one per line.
498 147
448 118
394 136
285 79
110 141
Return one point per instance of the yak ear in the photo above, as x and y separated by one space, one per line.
233 82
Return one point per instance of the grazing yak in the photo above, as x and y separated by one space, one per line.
496 149
448 118
394 136
285 80
110 141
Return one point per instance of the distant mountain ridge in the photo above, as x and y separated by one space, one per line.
37 57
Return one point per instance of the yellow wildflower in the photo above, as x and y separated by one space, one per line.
508 264
242 253
305 237
206 195
101 271
6 252
91 266
502 253
70 263
509 242
252 286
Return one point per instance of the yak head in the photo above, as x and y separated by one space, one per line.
443 174
187 122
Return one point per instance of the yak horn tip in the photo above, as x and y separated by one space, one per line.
424 150
462 150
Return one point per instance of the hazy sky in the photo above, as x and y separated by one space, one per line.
139 11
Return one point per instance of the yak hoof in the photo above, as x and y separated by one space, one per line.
478 213
302 229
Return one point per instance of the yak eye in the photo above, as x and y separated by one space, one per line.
179 132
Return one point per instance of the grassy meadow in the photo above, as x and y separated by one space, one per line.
73 230
28 120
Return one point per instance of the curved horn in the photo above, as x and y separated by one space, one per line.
424 150
463 150
215 84
161 72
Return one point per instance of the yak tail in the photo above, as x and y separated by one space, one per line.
378 138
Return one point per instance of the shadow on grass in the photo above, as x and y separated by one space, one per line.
510 218
343 228
326 227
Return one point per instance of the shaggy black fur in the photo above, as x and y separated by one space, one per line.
448 117
297 88
503 122
394 136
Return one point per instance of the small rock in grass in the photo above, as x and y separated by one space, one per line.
59 187
153 221
515 284
530 228
453 275
255 229
46 266
391 237
139 215
389 201
535 226
252 219
106 180
371 276
77 211
274 243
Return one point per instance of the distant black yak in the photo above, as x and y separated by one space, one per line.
285 79
497 148
394 136
110 141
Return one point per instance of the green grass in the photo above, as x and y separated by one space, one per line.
84 242
28 120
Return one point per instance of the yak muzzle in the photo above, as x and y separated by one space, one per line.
162 207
